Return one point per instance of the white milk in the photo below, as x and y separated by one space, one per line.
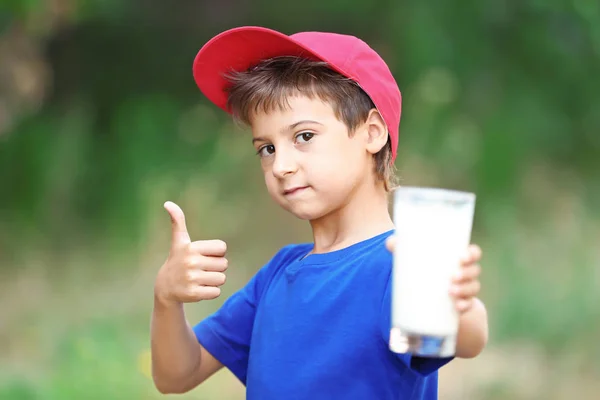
433 230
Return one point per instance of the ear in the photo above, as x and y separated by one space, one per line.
376 130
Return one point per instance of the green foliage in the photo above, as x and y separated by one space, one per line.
20 8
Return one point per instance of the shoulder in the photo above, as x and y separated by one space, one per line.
286 255
278 262
375 252
290 253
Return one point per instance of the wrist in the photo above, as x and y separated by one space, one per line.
162 303
163 300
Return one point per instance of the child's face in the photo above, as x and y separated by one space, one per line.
312 166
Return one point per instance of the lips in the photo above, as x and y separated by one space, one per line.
294 190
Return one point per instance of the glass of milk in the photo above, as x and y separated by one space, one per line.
433 231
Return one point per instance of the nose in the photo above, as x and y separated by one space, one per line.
284 164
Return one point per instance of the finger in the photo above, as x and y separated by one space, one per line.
196 264
390 243
216 264
467 273
210 278
473 255
208 292
466 290
180 234
197 293
464 305
216 248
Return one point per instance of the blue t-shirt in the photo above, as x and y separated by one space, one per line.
317 327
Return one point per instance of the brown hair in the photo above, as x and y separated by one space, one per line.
268 85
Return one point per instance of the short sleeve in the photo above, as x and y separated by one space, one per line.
226 334
422 365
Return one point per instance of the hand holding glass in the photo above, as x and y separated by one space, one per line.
433 230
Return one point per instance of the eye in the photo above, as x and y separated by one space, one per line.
266 150
304 136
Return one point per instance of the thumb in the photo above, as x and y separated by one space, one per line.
179 230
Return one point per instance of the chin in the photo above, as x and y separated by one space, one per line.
306 212
305 209
305 216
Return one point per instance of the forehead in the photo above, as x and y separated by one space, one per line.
297 108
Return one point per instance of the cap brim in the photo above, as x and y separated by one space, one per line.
237 50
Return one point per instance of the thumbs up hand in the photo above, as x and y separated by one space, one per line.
193 271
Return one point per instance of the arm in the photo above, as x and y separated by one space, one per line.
473 322
179 362
472 331
473 326
193 272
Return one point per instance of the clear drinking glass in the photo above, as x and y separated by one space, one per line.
433 230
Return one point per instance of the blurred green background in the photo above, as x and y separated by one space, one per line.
101 123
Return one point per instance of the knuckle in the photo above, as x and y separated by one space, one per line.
189 262
189 275
191 292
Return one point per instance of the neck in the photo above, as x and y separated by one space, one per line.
365 215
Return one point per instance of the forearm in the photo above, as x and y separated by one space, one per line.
175 350
472 331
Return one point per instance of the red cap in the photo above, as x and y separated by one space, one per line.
241 48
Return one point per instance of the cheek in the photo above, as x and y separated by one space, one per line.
336 167
270 182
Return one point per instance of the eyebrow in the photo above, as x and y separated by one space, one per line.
289 128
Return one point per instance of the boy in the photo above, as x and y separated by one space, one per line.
314 322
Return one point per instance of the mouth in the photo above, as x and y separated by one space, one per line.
294 190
